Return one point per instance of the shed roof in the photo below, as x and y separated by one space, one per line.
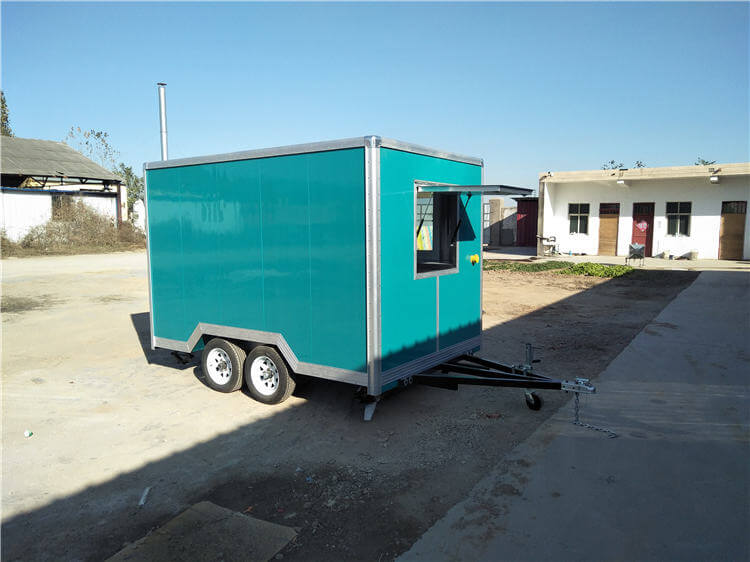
34 157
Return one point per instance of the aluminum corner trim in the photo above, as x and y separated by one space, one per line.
341 144
481 257
427 151
372 251
425 362
148 260
373 141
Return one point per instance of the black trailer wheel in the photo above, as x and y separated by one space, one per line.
222 363
534 401
268 378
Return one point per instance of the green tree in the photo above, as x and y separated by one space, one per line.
133 181
701 162
639 164
94 145
5 129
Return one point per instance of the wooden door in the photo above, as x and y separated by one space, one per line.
732 230
609 217
526 222
643 225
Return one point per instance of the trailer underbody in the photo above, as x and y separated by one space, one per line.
473 370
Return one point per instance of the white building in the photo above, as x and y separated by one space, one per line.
139 215
40 177
23 209
675 211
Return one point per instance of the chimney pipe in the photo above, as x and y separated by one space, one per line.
163 119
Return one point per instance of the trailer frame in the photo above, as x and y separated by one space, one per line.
469 369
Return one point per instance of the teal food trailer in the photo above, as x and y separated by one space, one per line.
356 260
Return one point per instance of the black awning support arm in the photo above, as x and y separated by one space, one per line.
458 224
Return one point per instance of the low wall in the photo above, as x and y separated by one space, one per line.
23 209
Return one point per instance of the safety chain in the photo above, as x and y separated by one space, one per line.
579 423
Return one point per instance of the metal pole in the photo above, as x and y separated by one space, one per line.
163 119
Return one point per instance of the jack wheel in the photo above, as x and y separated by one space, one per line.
534 401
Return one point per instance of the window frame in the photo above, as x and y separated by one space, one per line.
578 214
451 267
677 216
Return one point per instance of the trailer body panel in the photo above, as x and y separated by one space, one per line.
422 317
267 244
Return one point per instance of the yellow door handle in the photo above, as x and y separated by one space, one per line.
474 258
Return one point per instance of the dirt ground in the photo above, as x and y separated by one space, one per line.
109 417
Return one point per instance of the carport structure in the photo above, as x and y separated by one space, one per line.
40 176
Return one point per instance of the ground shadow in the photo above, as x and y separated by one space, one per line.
373 488
142 326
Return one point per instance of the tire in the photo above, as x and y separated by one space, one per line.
222 363
534 401
268 378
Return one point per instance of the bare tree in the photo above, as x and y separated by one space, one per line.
613 165
94 145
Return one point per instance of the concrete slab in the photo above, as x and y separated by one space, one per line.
673 486
207 532
512 253
509 252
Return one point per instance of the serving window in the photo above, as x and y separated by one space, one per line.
436 221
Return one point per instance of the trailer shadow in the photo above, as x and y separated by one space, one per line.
163 357
306 386
356 490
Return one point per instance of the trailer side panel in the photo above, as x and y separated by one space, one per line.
269 244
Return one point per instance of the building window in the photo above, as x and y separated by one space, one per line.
436 222
60 207
734 207
678 219
578 215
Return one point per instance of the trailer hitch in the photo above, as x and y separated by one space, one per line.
469 369
472 370
579 385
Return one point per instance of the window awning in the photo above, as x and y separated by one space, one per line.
481 189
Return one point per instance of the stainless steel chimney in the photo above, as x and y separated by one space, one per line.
163 119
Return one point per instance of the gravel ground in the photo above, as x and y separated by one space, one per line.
110 417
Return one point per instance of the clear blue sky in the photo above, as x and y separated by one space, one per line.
529 88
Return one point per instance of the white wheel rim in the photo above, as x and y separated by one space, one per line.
219 366
264 375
